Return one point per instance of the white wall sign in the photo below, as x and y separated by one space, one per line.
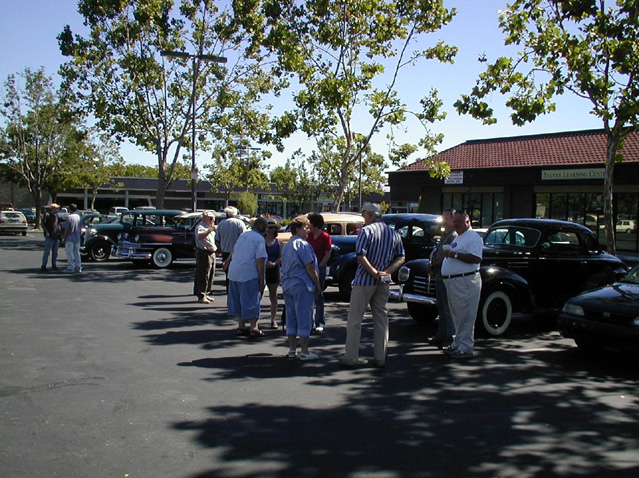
570 174
456 177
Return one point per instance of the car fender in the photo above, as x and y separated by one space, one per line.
339 265
98 238
498 278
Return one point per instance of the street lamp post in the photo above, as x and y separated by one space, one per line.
196 58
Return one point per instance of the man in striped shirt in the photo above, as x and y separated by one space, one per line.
380 252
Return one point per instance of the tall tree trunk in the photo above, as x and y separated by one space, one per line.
161 191
609 220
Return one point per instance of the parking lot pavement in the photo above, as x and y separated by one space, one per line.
119 372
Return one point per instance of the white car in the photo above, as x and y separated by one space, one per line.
626 225
13 222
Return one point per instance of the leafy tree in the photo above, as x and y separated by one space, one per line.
41 135
247 203
339 53
589 48
295 183
137 94
234 169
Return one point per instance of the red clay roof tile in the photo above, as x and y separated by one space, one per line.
556 149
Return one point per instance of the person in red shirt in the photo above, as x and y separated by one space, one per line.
321 243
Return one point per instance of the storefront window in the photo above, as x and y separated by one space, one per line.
484 208
627 221
542 210
559 206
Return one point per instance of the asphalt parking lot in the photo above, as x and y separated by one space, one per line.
119 372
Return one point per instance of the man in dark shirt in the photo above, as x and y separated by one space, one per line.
51 230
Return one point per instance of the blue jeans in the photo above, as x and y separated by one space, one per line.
74 262
50 246
320 320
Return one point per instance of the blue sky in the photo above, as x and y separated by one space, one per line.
28 30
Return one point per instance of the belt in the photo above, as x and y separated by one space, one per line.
454 276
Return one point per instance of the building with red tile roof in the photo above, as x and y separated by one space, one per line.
558 175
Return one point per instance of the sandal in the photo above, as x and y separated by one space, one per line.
256 333
242 332
274 326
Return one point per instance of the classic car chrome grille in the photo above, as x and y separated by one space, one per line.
423 285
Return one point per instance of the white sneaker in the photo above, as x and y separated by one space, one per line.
308 356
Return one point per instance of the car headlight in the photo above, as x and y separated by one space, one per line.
573 309
403 274
136 239
92 231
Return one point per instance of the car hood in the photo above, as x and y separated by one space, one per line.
619 294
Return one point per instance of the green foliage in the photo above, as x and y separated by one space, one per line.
247 203
295 183
137 94
346 57
587 48
42 135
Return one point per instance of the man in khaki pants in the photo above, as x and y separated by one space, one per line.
380 252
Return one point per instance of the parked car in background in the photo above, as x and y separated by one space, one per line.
117 211
626 226
336 224
29 213
160 244
529 265
419 232
13 222
607 316
6 206
100 239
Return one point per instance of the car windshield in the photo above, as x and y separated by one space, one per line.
632 277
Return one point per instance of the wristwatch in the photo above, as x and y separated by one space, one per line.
456 255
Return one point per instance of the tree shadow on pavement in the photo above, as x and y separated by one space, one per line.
536 414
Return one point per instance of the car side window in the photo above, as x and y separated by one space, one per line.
353 228
333 229
563 243
402 231
496 236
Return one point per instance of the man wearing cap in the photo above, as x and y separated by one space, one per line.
460 272
380 252
204 257
51 230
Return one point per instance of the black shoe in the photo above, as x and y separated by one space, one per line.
439 343
43 268
54 268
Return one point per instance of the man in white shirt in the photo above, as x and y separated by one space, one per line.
460 272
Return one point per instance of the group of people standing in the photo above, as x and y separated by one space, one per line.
69 233
454 265
255 259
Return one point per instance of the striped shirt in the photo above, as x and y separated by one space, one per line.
381 245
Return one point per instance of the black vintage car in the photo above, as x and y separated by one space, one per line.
419 232
529 265
160 244
100 239
607 316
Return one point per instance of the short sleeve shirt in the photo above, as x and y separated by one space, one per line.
469 243
208 243
296 255
320 245
381 245
249 247
73 227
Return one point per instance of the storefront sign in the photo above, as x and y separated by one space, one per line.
456 177
570 174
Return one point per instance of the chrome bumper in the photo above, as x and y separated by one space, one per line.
418 299
133 253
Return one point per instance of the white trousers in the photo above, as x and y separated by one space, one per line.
463 301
